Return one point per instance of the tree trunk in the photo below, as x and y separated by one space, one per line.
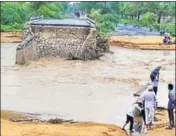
117 19
159 17
105 7
138 17
159 20
131 16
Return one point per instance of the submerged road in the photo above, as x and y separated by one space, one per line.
132 30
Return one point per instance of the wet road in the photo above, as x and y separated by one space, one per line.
100 90
133 30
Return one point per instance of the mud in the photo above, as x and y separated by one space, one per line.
99 91
141 42
73 129
11 37
77 129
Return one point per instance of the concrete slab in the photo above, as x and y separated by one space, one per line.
59 22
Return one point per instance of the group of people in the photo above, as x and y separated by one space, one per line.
146 104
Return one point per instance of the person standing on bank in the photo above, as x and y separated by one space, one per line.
171 105
154 76
155 83
132 112
149 99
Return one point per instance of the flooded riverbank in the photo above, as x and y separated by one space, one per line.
37 128
99 91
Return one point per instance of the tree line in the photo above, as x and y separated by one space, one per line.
149 14
15 14
106 14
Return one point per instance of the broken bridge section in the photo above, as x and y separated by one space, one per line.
66 38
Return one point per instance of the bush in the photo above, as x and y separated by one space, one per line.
129 21
169 27
7 28
149 19
17 26
105 22
156 26
96 14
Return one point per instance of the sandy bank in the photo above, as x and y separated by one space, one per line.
11 37
159 129
135 42
63 129
141 42
74 129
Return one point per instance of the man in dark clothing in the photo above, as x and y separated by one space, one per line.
155 83
143 116
167 38
171 105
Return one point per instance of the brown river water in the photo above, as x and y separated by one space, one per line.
100 90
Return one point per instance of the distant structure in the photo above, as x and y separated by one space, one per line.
73 38
77 14
35 17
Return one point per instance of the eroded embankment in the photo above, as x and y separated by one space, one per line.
38 128
49 129
11 37
135 42
141 42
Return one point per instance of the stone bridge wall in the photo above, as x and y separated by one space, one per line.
63 41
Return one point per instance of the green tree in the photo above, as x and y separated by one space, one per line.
14 12
104 22
49 9
149 19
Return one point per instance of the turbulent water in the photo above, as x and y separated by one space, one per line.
100 90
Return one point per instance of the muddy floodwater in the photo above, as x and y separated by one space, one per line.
100 90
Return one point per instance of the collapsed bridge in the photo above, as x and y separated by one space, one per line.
66 38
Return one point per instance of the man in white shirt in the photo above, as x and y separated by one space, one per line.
149 99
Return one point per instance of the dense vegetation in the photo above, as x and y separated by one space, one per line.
106 14
15 14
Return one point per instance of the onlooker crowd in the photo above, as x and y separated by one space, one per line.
146 105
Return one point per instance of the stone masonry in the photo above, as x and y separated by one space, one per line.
70 42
